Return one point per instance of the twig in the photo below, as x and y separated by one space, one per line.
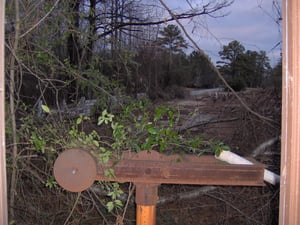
96 205
41 20
235 208
130 192
208 122
74 206
267 203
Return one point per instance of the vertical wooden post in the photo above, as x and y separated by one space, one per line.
146 197
3 187
145 214
290 150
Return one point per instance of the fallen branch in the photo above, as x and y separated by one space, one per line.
208 122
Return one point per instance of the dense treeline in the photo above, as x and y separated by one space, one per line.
71 48
84 46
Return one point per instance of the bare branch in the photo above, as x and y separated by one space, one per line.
207 9
41 20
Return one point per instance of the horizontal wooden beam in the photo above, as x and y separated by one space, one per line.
76 170
208 171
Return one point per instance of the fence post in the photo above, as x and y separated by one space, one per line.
290 146
3 186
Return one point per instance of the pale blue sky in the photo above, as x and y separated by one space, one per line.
251 22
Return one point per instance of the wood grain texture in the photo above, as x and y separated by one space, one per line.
3 183
290 154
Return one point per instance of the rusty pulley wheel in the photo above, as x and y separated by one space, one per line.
75 170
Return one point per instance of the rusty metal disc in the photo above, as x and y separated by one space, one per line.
75 170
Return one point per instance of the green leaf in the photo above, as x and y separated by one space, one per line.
79 120
102 150
118 203
96 143
45 109
218 152
105 118
109 173
38 142
226 148
152 131
158 114
110 206
105 157
50 183
100 121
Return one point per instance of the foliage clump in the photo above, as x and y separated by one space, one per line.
138 126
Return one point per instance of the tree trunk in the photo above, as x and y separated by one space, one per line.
74 49
73 45
92 32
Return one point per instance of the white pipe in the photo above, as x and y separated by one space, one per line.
233 158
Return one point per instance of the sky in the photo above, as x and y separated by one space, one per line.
251 22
